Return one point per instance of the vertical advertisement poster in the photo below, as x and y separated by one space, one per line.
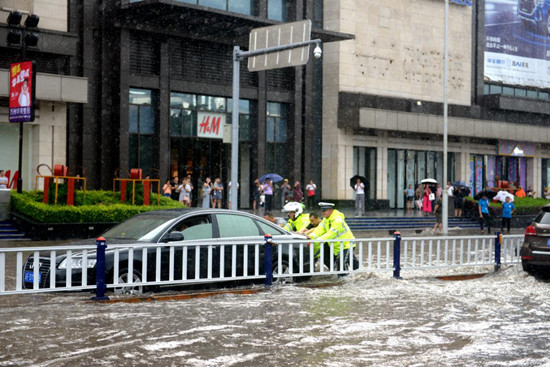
517 42
22 91
479 173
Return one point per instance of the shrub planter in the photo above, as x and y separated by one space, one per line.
54 231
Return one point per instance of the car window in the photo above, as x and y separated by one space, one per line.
543 218
197 227
140 227
231 225
269 229
198 232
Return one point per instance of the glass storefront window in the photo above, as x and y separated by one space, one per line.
181 100
410 167
237 6
276 136
216 4
140 96
147 120
209 103
141 129
241 6
133 126
278 10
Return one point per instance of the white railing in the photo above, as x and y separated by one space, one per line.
196 262
463 251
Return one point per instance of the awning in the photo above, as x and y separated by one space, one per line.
172 17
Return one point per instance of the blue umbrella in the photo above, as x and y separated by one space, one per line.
459 183
272 176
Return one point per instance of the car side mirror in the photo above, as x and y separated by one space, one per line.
174 236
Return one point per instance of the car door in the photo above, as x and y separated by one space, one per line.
195 228
235 227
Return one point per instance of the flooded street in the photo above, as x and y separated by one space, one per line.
500 319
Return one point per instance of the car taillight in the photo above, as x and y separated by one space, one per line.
530 231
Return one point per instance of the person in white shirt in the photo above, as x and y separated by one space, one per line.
359 197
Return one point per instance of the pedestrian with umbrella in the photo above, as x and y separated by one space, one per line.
458 197
359 188
484 214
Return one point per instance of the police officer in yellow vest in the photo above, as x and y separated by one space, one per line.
297 219
334 227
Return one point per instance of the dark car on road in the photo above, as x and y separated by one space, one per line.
535 251
172 229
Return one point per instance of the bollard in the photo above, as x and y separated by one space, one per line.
397 255
268 260
498 240
100 271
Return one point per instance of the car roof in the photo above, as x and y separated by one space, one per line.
181 212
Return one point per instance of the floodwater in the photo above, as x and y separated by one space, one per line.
501 319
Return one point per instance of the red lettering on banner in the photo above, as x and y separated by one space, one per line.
204 128
215 127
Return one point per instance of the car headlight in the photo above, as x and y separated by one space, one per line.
77 264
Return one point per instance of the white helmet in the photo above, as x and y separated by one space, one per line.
293 206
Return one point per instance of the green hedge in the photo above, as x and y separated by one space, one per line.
524 206
97 207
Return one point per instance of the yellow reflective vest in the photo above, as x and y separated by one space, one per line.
298 223
333 228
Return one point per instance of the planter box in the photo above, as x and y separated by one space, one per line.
55 231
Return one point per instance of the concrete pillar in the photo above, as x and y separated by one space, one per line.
534 172
382 166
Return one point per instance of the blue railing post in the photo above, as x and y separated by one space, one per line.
498 241
100 271
268 260
397 255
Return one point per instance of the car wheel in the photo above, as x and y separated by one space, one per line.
123 278
285 269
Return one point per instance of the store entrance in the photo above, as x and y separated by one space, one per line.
199 158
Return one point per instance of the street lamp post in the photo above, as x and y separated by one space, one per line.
21 36
445 123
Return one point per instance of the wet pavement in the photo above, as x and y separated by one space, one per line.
499 319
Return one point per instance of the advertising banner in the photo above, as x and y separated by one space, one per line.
22 91
517 42
516 148
210 125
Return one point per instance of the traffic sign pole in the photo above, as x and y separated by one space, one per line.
292 30
235 129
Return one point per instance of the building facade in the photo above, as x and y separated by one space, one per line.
383 97
57 88
160 92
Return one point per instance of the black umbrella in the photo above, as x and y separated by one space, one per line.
490 194
353 181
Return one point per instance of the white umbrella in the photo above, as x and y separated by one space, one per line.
502 195
428 180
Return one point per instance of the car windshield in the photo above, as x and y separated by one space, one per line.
140 228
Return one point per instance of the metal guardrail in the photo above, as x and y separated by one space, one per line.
129 268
